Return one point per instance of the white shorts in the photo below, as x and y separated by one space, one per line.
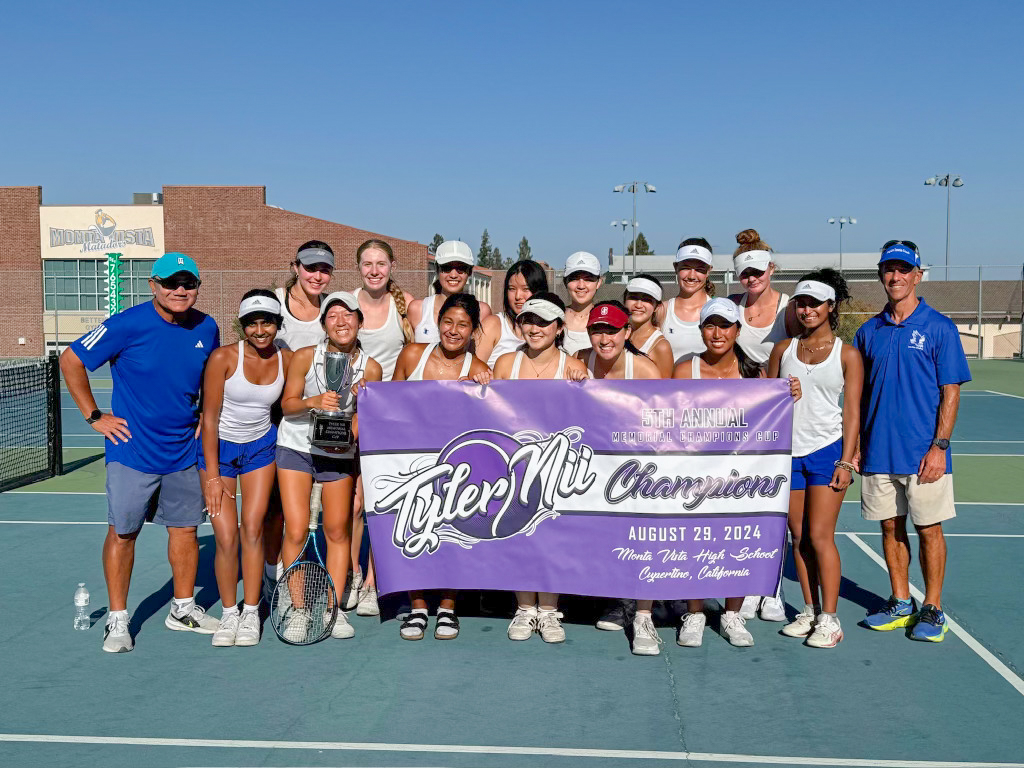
884 496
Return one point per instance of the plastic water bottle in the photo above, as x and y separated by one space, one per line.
82 620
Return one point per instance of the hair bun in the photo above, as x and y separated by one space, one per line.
748 236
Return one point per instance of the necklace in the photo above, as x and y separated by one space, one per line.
446 365
539 373
810 353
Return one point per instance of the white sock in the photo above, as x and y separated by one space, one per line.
227 610
729 614
123 614
183 605
246 608
808 608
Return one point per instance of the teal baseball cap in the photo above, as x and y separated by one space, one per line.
173 263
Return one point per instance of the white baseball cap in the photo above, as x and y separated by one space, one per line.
724 308
698 252
350 302
816 290
454 250
581 261
758 260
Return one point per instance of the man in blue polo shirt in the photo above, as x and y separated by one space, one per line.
157 352
914 365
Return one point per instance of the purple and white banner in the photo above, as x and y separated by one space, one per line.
644 489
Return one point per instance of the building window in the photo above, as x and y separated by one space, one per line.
80 284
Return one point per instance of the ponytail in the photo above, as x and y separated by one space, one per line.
403 311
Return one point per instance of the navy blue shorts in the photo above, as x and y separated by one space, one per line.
238 458
324 469
816 468
174 500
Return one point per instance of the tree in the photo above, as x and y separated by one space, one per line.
642 248
496 261
525 254
483 256
438 239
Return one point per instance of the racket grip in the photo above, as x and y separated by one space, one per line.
314 505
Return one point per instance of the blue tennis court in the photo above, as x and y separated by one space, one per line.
876 700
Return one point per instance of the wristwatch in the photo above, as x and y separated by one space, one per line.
94 416
941 443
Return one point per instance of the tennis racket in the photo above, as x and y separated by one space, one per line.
304 605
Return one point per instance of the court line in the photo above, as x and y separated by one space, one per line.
617 754
1004 394
947 535
987 656
857 501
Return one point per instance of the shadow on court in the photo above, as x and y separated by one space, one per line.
156 603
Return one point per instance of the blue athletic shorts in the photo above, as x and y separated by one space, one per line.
324 469
238 458
174 500
816 468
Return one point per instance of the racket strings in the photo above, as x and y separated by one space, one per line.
304 605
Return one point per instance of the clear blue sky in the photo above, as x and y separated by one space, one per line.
416 118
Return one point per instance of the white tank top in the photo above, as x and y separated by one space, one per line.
651 341
818 414
384 344
758 342
245 413
559 372
575 341
426 330
417 374
507 342
294 430
684 338
629 364
295 333
695 367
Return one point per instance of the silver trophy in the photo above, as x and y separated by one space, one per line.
333 429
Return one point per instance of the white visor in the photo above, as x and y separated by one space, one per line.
698 252
543 309
720 307
259 304
644 286
350 302
454 250
816 290
758 260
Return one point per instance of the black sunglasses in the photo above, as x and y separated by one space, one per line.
911 245
455 266
174 283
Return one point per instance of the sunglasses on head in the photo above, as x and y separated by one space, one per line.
174 283
455 266
912 246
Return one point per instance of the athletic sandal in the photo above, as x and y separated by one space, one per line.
414 626
447 626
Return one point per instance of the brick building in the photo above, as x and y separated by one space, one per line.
54 256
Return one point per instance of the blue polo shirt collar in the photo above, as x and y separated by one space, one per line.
916 317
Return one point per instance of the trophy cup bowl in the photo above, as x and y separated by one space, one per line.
333 429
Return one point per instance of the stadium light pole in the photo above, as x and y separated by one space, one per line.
842 221
632 188
947 181
623 223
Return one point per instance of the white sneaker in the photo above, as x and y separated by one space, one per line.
367 605
735 631
297 625
248 629
224 637
352 596
749 608
773 609
195 620
523 625
645 637
691 632
116 637
801 625
827 632
342 629
550 626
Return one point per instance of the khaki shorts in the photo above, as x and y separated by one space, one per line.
884 496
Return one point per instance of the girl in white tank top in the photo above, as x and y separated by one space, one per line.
384 344
455 262
680 322
582 281
641 299
826 377
507 342
762 308
238 441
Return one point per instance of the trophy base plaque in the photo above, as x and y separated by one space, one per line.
329 430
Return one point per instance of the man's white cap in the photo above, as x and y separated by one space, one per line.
581 261
349 300
259 304
758 260
454 250
724 308
543 309
698 252
816 290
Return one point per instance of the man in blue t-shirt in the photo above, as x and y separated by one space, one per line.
914 365
157 352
